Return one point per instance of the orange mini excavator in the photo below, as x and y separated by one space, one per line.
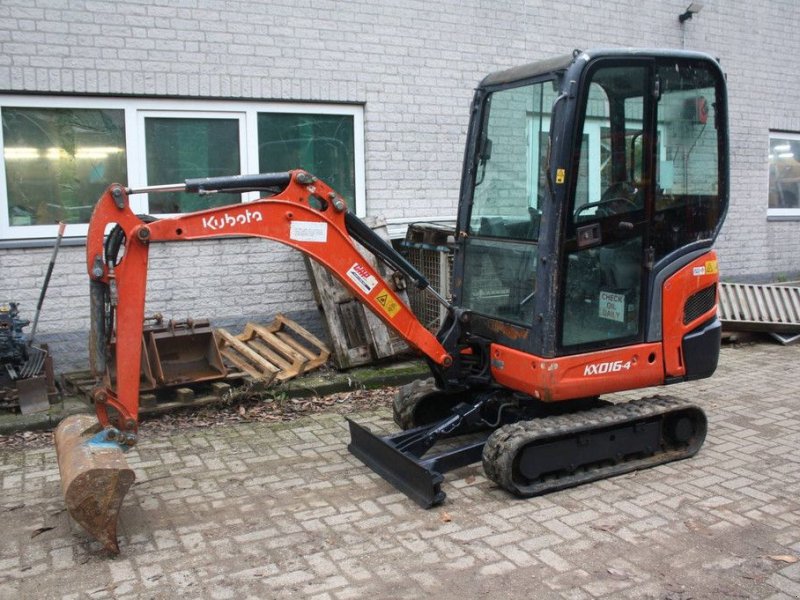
593 188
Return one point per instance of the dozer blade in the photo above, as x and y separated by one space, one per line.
406 473
403 463
94 477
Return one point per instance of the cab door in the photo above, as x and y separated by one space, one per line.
497 267
606 251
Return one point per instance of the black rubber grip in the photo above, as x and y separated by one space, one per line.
239 183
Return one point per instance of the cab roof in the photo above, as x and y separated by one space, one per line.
562 63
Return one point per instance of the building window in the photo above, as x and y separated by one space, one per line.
57 160
320 144
60 153
181 146
784 174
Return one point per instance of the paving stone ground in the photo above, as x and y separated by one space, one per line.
265 511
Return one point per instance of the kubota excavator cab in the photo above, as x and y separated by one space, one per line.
592 190
588 182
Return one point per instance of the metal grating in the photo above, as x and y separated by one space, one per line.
699 304
428 247
768 308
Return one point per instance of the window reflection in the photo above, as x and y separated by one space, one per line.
59 160
784 171
185 148
320 144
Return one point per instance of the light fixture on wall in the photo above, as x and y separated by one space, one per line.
692 9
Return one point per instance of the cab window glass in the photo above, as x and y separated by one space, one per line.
501 248
688 206
602 290
510 179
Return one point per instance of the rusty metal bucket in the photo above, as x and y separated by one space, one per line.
94 476
184 352
147 381
174 353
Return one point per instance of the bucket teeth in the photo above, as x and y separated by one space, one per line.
94 477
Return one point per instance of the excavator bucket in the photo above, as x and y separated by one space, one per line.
184 351
94 476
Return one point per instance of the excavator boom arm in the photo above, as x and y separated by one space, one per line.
305 214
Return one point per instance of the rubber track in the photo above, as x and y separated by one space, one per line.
407 398
505 443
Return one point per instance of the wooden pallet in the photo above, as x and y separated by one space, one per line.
80 384
358 337
279 351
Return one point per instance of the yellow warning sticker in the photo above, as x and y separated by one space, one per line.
387 303
560 176
711 267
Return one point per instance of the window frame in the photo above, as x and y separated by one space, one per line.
136 109
780 213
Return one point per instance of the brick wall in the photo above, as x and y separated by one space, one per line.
413 66
230 283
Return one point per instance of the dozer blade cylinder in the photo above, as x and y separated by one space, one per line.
94 477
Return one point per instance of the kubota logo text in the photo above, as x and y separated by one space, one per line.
224 221
607 367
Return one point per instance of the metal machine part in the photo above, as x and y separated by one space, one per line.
531 458
94 476
26 374
174 353
13 344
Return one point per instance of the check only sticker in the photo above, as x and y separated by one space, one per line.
612 306
362 278
308 231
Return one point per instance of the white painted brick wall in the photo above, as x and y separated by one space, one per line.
413 65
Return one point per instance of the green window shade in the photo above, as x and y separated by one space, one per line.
58 161
184 148
321 144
